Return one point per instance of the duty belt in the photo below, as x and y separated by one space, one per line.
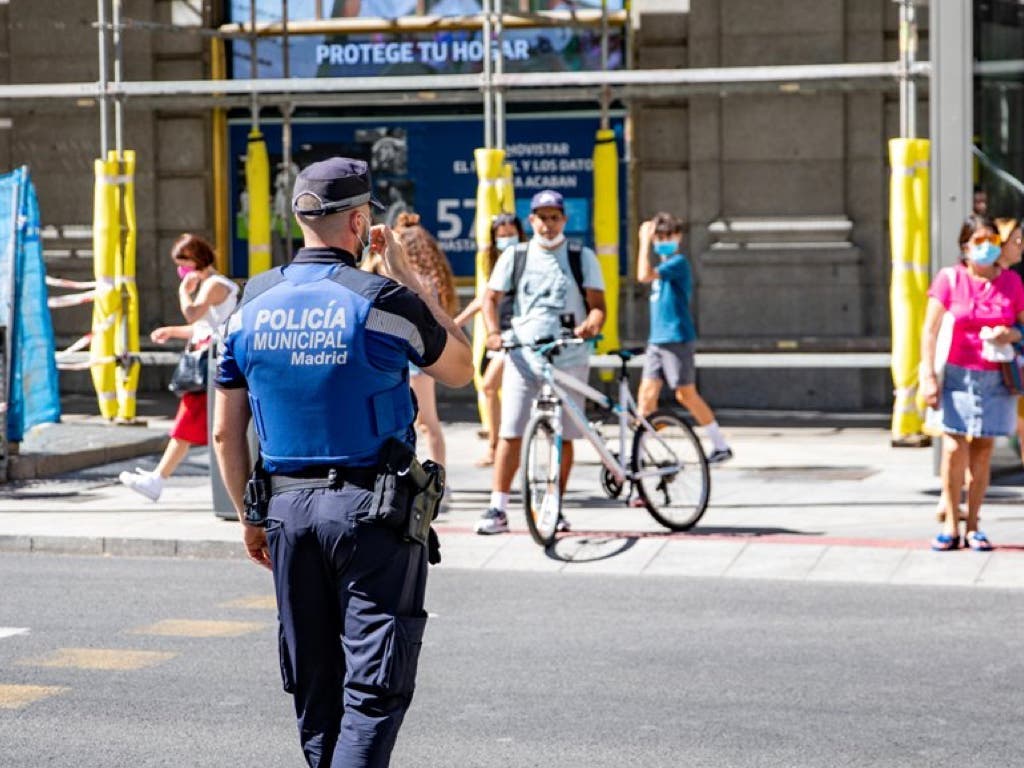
323 477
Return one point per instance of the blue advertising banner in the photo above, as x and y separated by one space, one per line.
426 165
546 49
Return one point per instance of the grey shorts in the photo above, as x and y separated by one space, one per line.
671 362
519 385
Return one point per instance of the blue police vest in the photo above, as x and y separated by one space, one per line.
316 397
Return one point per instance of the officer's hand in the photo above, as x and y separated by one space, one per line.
394 264
256 545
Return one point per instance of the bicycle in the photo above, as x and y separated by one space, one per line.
667 467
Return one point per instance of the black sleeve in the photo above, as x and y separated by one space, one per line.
399 312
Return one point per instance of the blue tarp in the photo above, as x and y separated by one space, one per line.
33 386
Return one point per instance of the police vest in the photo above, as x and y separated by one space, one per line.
315 396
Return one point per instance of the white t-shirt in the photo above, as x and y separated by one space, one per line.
546 291
211 324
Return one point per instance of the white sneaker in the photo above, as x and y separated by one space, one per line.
148 484
491 522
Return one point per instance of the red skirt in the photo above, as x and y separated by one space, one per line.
190 423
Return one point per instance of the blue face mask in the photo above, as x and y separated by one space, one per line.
666 248
501 243
984 254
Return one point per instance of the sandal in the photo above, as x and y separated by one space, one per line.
945 542
978 541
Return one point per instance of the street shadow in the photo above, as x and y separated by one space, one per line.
588 546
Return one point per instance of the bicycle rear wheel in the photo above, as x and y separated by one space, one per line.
542 466
678 496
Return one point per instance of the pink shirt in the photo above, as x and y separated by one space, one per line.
976 303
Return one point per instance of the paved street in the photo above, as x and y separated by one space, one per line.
170 662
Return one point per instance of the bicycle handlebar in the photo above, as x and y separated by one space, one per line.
546 346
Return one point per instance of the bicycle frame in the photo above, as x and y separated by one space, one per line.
554 393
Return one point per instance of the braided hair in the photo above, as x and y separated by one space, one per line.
428 261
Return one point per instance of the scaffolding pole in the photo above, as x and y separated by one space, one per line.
908 56
101 12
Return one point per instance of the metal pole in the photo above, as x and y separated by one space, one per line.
118 74
606 91
101 12
253 64
499 68
908 55
488 88
286 131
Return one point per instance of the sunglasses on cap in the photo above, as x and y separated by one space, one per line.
504 218
980 239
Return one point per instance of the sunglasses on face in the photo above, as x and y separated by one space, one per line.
981 239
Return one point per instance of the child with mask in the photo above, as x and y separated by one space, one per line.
987 303
670 350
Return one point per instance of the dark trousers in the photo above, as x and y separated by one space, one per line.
350 605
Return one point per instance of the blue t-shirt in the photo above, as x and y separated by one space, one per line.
671 322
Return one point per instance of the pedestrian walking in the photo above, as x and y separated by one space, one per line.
206 299
1012 235
506 231
318 354
986 303
669 355
557 288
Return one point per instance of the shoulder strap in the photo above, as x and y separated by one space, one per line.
576 266
518 265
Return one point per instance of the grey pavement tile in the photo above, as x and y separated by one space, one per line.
775 561
1004 569
15 543
68 545
608 554
947 568
211 549
521 553
691 557
126 547
468 550
859 564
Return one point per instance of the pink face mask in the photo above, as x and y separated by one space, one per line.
184 270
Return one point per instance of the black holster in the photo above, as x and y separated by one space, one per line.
425 483
257 497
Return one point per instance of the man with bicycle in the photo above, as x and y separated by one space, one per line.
556 287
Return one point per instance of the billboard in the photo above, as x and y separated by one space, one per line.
547 49
426 165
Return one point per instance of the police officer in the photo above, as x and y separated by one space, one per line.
318 354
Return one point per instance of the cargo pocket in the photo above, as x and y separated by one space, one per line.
385 657
287 674
403 654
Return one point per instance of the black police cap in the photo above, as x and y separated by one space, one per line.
332 185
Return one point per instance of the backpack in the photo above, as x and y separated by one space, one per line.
505 307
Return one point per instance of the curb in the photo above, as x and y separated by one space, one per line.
201 549
36 466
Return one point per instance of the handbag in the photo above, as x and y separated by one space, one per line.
191 372
1013 372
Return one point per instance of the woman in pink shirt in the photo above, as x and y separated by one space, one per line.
987 303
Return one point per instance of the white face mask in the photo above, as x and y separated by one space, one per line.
549 244
364 249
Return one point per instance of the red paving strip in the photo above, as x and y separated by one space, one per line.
769 538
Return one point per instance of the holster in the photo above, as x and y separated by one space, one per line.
425 482
256 502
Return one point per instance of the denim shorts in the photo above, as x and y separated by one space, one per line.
977 403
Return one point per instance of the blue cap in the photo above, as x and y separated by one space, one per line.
331 186
547 198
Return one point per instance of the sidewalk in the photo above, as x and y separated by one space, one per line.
822 503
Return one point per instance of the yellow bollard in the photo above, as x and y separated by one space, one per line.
257 185
909 238
606 234
107 305
129 367
491 196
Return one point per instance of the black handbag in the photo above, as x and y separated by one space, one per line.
190 374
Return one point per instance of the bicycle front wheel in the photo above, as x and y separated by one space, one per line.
542 466
673 478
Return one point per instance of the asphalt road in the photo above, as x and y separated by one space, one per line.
518 669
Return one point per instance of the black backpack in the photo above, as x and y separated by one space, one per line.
519 265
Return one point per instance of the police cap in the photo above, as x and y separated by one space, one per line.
331 186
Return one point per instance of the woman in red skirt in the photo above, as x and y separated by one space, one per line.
207 299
